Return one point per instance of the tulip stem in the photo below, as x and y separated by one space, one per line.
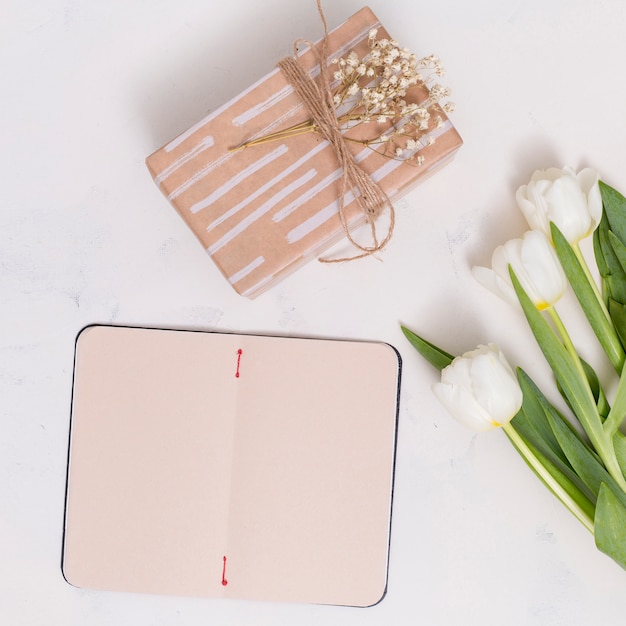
592 282
569 346
616 414
600 436
601 321
546 477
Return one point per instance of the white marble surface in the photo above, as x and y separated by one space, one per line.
90 88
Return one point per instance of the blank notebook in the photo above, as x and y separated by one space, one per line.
224 465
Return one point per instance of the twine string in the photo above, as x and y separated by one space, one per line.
318 99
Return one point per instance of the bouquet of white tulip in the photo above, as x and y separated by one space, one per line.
581 456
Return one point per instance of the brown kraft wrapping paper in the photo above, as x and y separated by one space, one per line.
263 211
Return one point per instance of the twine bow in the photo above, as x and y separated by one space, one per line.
318 99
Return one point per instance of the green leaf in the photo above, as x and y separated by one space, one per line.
532 418
570 379
584 291
594 384
614 278
596 389
619 444
532 423
617 311
618 409
610 525
601 262
553 460
618 248
564 485
584 461
615 208
434 355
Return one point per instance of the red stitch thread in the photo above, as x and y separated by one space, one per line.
239 353
224 581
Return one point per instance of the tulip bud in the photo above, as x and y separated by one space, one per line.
572 201
480 389
536 266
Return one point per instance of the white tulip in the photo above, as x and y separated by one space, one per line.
480 389
572 201
536 266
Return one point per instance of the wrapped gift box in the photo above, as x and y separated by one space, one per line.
263 211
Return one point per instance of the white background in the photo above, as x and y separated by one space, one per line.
89 89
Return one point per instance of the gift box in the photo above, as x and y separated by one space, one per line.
264 210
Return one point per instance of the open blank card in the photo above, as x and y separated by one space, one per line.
224 465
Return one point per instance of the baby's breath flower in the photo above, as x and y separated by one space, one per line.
353 60
374 87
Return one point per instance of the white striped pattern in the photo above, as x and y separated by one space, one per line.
242 273
199 175
239 178
262 210
313 191
316 220
262 283
276 98
206 143
238 121
263 188
211 116
310 193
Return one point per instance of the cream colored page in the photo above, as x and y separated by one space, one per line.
150 452
312 473
275 453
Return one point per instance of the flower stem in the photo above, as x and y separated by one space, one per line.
616 415
592 282
567 342
600 434
537 466
292 131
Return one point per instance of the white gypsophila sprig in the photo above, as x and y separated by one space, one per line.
373 89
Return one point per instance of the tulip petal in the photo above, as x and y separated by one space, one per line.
479 389
535 264
489 279
589 183
572 201
530 200
542 268
489 373
463 407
